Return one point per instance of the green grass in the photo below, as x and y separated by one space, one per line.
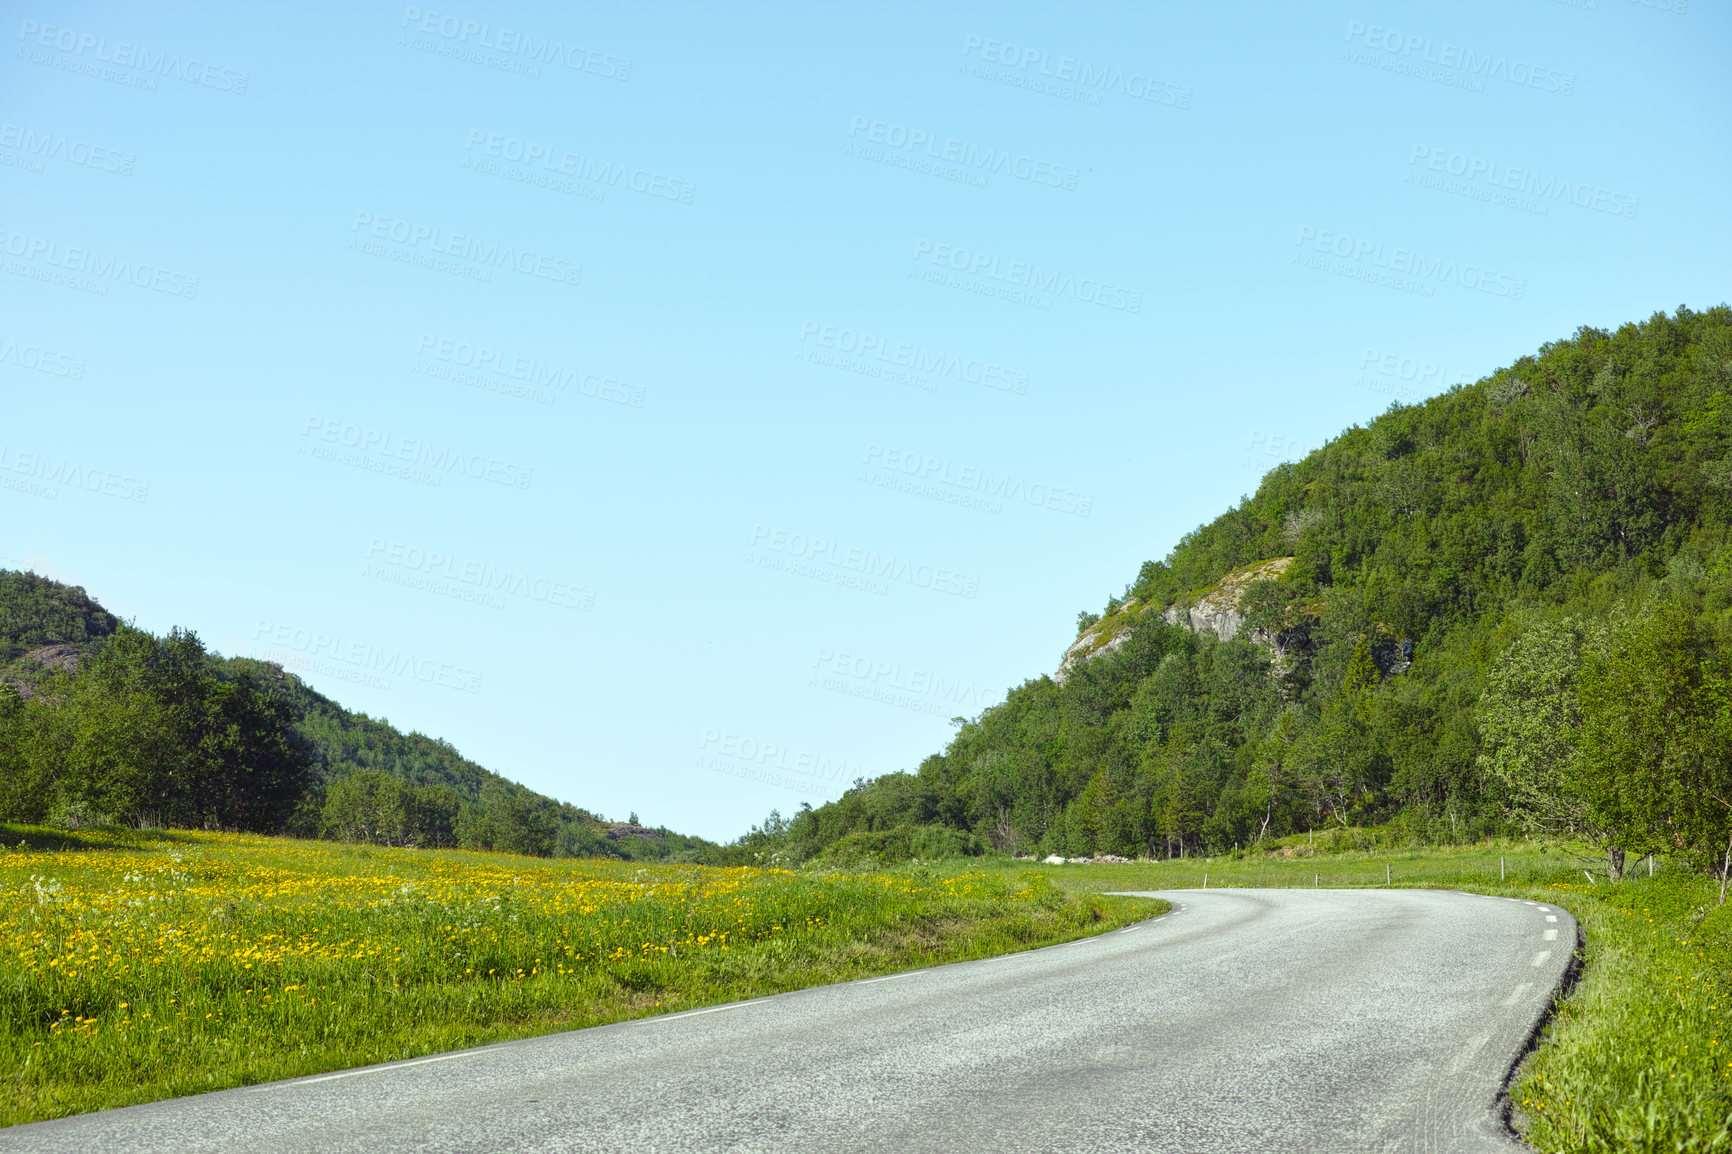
135 967
141 966
1634 1058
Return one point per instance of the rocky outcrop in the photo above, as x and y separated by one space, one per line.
1217 611
1100 638
1214 612
622 829
58 658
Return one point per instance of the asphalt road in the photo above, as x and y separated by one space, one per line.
1322 1021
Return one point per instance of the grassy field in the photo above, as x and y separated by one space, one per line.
1635 1058
140 966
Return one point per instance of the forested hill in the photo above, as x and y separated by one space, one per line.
1590 479
97 720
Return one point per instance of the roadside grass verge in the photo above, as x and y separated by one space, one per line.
1635 1057
138 966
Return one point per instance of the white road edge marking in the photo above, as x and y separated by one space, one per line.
357 1073
714 1009
1541 957
1516 994
886 978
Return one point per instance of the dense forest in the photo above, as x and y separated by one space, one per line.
103 722
1507 607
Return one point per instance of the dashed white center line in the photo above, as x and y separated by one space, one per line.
1469 1051
1551 917
1516 994
1541 958
1550 935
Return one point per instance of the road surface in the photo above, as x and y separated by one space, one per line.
1321 1021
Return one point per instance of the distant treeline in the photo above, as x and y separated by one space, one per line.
1509 607
101 722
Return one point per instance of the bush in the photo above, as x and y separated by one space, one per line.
865 850
375 808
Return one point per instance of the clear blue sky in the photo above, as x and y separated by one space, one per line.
690 409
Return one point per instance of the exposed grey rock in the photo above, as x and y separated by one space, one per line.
1215 613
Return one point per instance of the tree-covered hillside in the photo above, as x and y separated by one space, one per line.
1591 479
102 721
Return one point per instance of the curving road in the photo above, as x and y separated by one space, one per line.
1321 1021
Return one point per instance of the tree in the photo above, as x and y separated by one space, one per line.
1649 766
1094 807
369 807
147 734
132 715
508 819
26 777
1529 717
255 767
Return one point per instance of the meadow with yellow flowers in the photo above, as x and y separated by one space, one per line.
136 965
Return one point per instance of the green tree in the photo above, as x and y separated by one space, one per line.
508 819
1647 705
1529 718
370 808
145 733
26 778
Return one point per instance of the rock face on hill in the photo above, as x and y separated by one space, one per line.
1217 611
56 658
1214 612
623 829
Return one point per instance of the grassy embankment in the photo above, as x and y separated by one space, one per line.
1635 1058
137 966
